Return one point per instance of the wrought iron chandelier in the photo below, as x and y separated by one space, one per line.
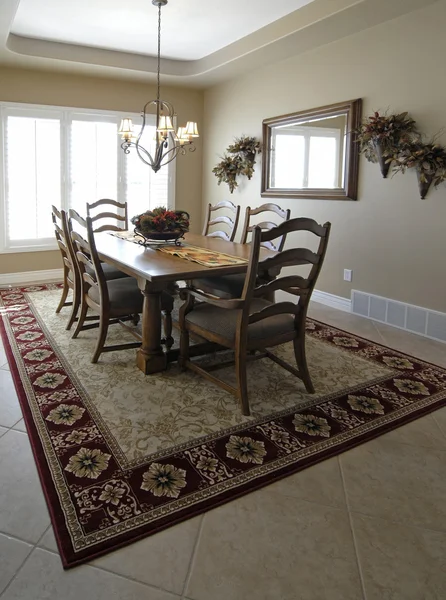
168 141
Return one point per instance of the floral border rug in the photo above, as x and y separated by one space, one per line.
101 498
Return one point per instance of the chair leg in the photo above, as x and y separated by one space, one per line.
103 329
242 383
184 349
167 325
74 311
135 319
84 309
301 360
64 296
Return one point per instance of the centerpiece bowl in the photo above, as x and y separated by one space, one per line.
161 225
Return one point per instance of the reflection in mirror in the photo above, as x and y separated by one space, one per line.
312 154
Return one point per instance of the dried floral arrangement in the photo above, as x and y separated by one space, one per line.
381 135
429 160
239 160
162 220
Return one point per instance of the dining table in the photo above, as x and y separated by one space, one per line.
154 271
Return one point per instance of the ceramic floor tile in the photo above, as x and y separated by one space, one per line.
23 511
10 411
161 560
321 483
398 482
3 430
42 578
3 359
266 546
344 320
20 426
414 345
422 432
400 562
48 541
439 417
12 554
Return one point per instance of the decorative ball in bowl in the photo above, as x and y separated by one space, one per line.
161 224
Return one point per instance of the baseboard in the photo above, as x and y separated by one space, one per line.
31 277
331 300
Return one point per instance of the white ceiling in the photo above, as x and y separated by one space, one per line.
191 29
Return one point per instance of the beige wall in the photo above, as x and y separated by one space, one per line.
87 92
394 242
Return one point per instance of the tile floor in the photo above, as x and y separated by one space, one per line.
369 524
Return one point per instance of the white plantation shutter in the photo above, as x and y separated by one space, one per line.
32 178
93 162
66 158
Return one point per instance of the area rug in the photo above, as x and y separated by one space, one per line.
122 456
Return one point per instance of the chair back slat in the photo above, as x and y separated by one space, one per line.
290 258
273 310
219 234
109 214
293 284
298 224
232 223
265 225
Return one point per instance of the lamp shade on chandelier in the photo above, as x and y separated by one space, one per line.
168 141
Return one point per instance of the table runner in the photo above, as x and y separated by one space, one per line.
202 256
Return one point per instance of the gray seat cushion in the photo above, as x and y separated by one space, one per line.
110 272
126 298
223 321
226 286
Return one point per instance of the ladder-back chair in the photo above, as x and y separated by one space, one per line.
71 275
250 324
115 301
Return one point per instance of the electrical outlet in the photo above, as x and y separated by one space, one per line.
348 273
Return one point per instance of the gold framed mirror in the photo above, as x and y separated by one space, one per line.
312 153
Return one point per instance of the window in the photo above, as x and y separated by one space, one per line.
67 158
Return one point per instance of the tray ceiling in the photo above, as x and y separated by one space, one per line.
190 30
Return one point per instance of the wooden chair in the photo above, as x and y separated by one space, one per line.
71 275
222 219
231 286
115 301
250 324
108 214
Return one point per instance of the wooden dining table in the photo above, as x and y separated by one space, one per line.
154 270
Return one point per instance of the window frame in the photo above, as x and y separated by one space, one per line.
65 116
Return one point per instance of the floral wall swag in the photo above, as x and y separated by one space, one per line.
394 138
239 159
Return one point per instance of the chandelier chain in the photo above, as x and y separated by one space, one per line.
159 52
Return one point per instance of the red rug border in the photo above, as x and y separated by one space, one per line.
70 559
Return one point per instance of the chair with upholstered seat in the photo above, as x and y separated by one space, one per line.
71 276
231 286
117 211
115 301
231 223
250 323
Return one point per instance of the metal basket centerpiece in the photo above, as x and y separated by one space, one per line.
162 225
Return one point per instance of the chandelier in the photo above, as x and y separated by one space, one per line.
168 141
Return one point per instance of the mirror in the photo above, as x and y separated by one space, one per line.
313 153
